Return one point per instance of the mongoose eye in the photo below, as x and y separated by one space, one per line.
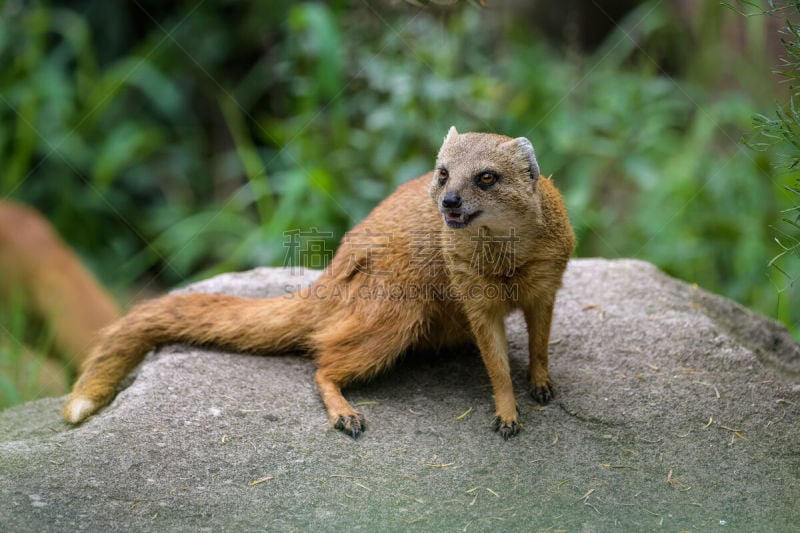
443 175
486 179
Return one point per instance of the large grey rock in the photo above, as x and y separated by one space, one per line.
675 409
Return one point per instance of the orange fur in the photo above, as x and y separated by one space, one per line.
400 280
54 283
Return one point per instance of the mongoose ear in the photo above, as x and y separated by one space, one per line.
450 133
523 148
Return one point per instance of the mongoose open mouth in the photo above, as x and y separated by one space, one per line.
456 218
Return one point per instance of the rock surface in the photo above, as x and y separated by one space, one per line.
675 409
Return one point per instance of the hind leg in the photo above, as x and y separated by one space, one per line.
355 350
340 413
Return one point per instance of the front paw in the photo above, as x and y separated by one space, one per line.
506 428
353 425
543 394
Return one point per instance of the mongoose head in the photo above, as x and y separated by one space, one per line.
485 179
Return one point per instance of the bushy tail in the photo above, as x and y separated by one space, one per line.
241 324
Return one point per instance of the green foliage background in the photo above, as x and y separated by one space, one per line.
171 141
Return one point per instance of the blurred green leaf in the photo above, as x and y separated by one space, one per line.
125 146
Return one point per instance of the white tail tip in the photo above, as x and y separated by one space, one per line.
78 408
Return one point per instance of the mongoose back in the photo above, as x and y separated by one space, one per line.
439 263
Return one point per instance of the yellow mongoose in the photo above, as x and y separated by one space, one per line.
414 274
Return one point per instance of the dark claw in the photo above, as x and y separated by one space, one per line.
506 429
353 425
544 394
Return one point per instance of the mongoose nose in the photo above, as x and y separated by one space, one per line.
451 200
